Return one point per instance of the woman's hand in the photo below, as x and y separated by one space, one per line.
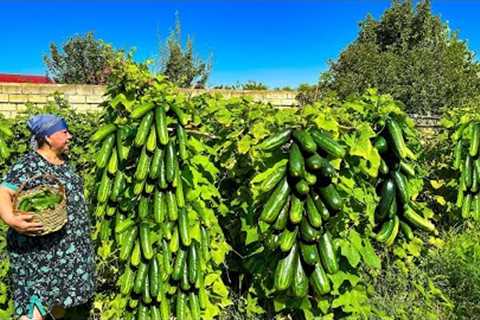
22 223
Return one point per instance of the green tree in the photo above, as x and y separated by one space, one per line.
179 63
410 54
254 85
83 59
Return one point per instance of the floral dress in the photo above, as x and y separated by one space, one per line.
58 268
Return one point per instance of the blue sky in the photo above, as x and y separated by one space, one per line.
279 43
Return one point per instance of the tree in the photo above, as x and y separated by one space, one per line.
179 64
84 60
410 54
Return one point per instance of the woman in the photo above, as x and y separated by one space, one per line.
53 271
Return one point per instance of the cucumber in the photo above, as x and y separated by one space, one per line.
415 219
322 209
287 239
474 140
310 178
282 219
145 241
387 194
161 125
151 142
143 209
401 186
184 227
296 210
182 142
159 207
319 280
103 191
309 253
285 270
468 171
140 110
321 165
406 230
305 141
193 264
386 231
296 162
327 253
141 172
276 201
181 116
309 233
140 278
393 208
396 135
105 151
178 266
330 197
170 162
112 165
154 277
300 281
117 186
407 169
103 132
467 204
381 145
458 155
276 141
313 215
194 306
143 129
302 187
327 144
396 224
271 181
172 206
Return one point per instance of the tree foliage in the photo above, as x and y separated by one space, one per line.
82 59
179 64
412 55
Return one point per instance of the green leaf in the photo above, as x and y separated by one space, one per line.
369 256
244 144
251 232
205 163
362 147
353 301
340 277
349 252
258 130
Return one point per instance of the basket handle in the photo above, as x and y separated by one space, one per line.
45 175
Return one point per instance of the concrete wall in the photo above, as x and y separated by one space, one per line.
84 98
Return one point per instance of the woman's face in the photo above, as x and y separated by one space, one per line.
59 141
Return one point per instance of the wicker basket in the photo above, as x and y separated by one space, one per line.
52 219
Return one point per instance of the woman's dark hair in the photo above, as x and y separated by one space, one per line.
40 141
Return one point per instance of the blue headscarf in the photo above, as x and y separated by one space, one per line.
43 125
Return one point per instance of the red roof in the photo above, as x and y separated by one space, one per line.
21 78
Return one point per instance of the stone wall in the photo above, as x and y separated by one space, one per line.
84 98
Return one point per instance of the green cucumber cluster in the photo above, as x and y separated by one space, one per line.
301 199
467 163
142 198
396 212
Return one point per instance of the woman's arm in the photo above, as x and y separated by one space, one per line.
21 223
